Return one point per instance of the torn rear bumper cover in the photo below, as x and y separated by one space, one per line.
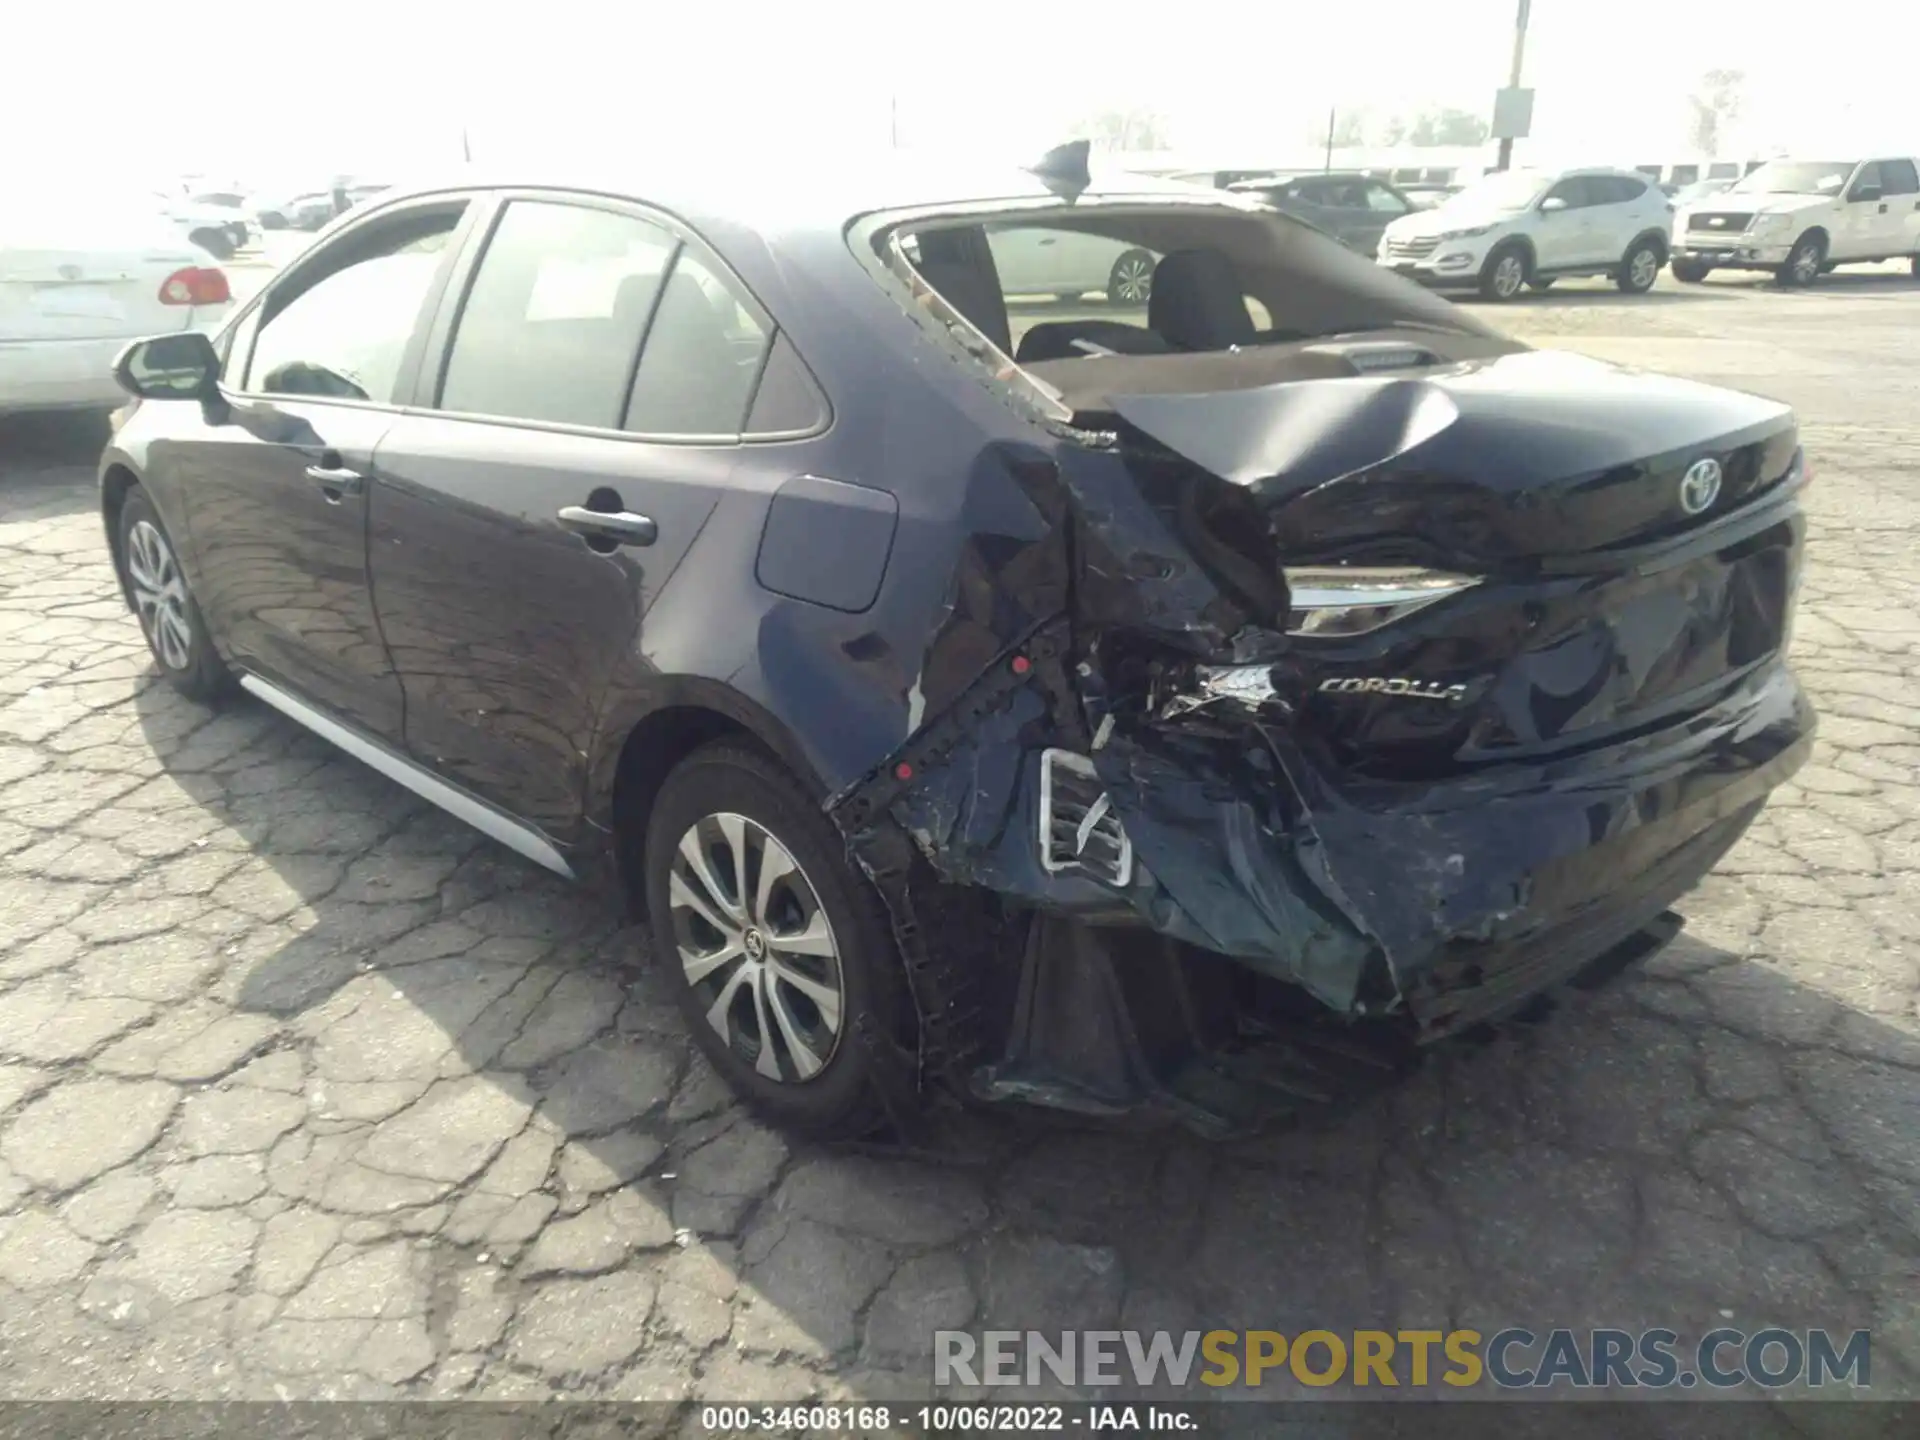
1534 824
1437 909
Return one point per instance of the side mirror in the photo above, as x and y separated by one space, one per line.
1865 192
183 366
1552 205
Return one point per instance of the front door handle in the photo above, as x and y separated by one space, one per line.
337 480
620 526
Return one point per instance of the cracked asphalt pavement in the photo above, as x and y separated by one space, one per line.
306 1091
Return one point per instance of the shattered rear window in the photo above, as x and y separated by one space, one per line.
1056 298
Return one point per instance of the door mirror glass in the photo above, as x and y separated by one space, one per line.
1552 205
169 367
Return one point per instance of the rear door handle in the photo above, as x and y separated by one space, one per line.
622 526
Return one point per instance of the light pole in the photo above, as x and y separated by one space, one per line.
1513 78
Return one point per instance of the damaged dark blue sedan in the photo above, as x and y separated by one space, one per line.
1191 700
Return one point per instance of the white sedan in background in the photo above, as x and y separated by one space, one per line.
75 287
1068 264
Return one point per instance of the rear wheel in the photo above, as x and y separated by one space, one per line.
273 220
1690 272
1130 282
1809 253
779 953
1639 268
1505 272
176 632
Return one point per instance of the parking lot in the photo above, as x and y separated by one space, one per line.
308 1091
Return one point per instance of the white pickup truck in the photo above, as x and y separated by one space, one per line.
1801 218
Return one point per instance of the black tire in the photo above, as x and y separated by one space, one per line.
216 243
842 1098
1803 263
1639 267
273 220
1690 272
1540 284
1130 282
192 667
1507 269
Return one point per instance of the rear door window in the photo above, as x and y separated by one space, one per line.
552 323
702 359
1383 201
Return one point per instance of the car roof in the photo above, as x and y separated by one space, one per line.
770 196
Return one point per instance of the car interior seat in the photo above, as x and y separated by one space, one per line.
1197 302
691 379
959 265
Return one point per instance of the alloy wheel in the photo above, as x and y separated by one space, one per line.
1133 279
159 595
1644 270
756 947
1508 276
1806 263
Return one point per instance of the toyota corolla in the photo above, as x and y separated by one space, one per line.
1176 707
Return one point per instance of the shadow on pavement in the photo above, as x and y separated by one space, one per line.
1567 293
1840 282
47 463
490 1059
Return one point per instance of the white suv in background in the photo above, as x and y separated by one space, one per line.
1530 227
1800 218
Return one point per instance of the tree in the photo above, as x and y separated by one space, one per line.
1448 126
1349 130
1137 128
1716 104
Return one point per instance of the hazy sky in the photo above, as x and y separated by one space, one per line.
269 88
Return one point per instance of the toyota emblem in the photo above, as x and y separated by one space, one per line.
1700 486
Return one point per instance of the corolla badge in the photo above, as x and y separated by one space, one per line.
1396 685
1700 486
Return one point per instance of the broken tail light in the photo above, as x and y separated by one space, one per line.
1342 600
